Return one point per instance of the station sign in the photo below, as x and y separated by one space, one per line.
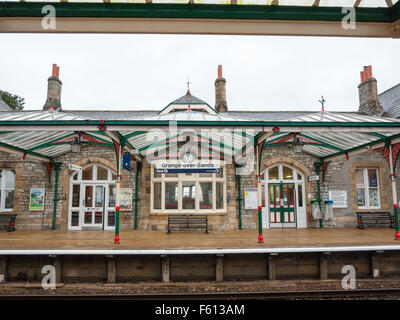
313 178
74 167
188 167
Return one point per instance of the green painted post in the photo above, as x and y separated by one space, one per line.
136 195
317 166
240 201
57 166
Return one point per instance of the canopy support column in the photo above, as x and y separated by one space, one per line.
317 166
118 151
259 191
136 195
57 166
394 194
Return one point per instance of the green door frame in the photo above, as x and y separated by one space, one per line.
281 208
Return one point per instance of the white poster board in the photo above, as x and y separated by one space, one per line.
339 198
250 198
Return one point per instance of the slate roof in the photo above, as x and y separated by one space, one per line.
390 101
185 99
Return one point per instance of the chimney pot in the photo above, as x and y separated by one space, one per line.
219 71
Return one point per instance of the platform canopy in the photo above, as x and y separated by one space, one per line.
44 135
373 18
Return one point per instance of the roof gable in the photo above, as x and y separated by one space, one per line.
182 103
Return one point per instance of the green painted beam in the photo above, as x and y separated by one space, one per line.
50 159
196 11
360 147
77 123
325 144
133 134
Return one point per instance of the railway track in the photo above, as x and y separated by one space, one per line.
380 293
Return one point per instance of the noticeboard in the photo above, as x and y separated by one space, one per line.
339 198
250 198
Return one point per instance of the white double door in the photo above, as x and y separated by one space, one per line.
93 205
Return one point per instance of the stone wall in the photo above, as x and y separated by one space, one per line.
34 174
340 175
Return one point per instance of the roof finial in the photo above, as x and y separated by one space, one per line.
322 102
188 84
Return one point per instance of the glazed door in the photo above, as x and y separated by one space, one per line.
93 206
282 205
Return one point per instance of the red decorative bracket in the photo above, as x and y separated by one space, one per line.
102 126
395 153
323 169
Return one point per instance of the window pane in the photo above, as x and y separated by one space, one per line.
10 179
157 195
360 198
75 176
99 197
263 195
219 193
273 173
300 195
171 175
205 195
372 178
9 199
111 218
102 173
88 217
75 219
112 190
188 195
171 195
76 189
202 175
299 176
360 178
87 173
373 198
287 173
88 196
98 217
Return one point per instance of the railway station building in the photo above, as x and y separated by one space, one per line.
59 169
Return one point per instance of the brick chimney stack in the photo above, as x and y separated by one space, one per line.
220 92
368 91
54 90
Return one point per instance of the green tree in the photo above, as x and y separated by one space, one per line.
14 101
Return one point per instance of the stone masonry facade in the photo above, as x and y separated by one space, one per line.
340 175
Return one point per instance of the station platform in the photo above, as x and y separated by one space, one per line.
147 242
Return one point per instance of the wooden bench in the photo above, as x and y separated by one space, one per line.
9 220
187 221
374 219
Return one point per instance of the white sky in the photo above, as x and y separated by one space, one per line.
137 72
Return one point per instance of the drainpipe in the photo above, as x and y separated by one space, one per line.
240 201
57 166
136 195
317 166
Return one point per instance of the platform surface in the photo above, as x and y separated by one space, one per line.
155 240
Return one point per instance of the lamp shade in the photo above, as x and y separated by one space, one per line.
298 145
76 144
